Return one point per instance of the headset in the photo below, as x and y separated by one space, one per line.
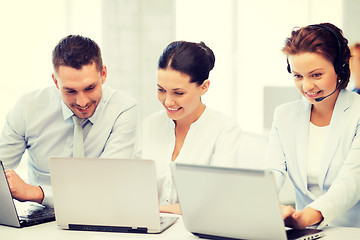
341 67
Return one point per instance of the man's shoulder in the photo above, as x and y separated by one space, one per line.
118 97
43 95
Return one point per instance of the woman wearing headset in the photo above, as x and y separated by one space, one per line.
316 140
186 130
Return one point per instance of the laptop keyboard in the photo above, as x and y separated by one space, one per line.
35 213
29 210
167 221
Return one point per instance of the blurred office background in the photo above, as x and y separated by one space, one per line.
249 78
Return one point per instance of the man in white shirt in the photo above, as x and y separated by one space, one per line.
42 121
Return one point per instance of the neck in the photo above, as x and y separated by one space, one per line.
186 122
321 112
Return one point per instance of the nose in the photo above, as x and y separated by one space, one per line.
81 99
169 101
307 84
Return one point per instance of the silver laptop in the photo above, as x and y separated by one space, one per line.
220 203
115 195
20 214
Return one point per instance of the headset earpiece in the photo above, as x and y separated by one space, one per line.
341 68
288 66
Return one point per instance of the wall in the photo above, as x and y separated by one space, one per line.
135 33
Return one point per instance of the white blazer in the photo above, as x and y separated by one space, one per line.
339 177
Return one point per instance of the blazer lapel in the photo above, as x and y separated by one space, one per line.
337 124
301 139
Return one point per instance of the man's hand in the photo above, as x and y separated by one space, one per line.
22 191
287 212
300 219
172 208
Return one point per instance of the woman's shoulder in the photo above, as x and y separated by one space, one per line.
292 107
159 117
217 118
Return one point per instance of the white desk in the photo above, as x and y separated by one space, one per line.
176 232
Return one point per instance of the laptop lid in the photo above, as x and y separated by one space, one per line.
29 214
228 202
8 215
105 194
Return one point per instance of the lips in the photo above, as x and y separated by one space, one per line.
83 109
173 110
312 94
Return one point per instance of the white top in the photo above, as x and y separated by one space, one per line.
42 124
316 144
211 140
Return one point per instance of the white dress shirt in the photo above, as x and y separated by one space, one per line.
211 140
42 124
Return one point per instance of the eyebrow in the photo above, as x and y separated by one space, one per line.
72 89
294 72
174 89
315 70
67 88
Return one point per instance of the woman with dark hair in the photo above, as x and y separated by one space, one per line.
186 130
315 140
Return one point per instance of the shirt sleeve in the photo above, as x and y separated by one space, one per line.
121 141
48 195
12 141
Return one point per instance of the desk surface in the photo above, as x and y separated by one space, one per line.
177 231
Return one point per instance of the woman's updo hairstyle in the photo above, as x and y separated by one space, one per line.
193 59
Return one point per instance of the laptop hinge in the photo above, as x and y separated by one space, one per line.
107 228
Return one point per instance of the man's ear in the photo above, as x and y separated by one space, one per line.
103 74
205 86
55 80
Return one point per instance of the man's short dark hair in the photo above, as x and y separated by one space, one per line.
76 51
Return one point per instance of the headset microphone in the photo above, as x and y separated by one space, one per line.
322 98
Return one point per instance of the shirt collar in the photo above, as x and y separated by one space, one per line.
197 122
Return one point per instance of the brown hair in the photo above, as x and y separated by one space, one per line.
76 51
324 39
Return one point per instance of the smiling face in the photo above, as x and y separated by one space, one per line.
80 89
314 76
180 98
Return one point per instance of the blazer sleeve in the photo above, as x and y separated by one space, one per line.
344 192
275 159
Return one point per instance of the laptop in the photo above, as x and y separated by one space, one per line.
20 214
111 195
230 203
